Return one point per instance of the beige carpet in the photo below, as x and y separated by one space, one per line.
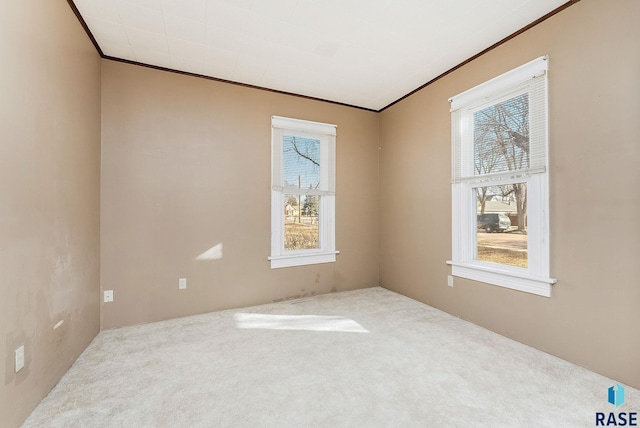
367 358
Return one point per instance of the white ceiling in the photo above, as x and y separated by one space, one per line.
365 53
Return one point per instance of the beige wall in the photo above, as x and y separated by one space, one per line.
49 198
593 315
185 167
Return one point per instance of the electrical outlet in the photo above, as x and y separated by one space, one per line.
19 358
108 296
182 283
450 280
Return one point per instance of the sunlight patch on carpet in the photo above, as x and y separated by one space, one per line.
298 322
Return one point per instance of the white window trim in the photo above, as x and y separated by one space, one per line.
326 133
535 278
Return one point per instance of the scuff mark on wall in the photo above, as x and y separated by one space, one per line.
63 279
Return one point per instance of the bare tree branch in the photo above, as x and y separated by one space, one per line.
307 157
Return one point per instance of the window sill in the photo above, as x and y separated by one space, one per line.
302 259
503 278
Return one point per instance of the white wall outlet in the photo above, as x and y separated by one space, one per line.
19 358
182 283
108 296
450 280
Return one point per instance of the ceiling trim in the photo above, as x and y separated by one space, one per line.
246 85
86 27
490 48
186 73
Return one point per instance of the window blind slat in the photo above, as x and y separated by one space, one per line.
503 139
527 71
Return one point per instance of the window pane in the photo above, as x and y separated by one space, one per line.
301 162
501 220
501 136
301 230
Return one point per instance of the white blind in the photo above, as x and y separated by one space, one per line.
302 125
501 133
303 157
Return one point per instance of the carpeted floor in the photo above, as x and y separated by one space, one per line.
366 358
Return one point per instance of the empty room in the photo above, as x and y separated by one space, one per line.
305 213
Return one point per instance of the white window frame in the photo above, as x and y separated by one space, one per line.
535 277
326 134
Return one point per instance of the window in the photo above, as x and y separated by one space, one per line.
500 181
302 192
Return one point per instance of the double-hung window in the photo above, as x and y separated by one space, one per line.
302 192
500 181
